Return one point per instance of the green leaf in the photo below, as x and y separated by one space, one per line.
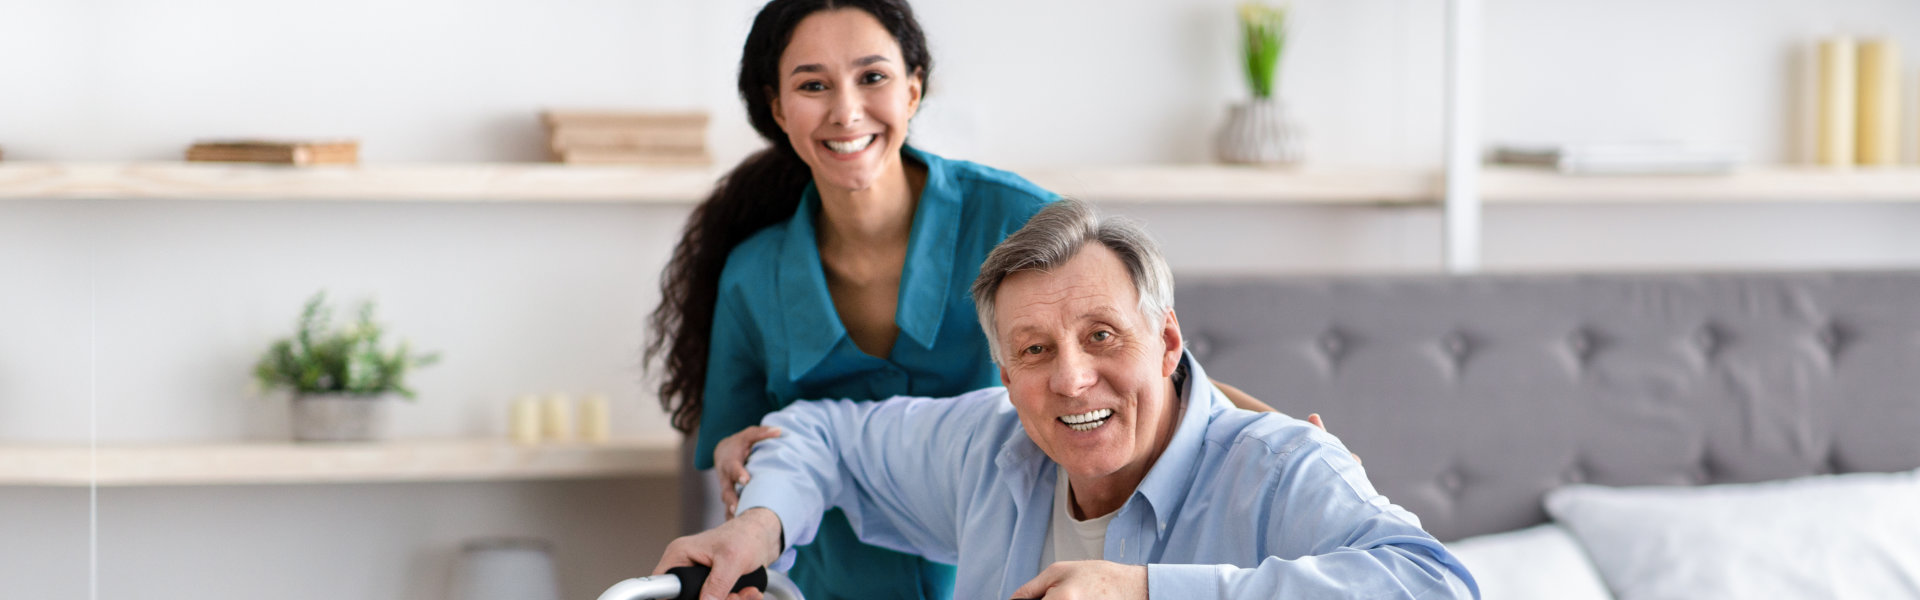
320 358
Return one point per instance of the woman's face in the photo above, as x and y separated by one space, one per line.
844 98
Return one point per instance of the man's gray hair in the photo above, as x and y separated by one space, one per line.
1055 236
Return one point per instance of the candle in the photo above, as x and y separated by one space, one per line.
1878 137
557 421
594 426
1837 85
523 420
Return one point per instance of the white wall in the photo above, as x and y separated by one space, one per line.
139 319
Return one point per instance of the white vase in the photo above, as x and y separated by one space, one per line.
505 569
338 417
1258 132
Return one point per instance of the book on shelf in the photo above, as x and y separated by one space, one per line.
661 140
1630 158
279 152
556 119
605 137
599 156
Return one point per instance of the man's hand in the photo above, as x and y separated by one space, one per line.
747 542
1087 579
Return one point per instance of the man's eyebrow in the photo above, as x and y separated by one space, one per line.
817 68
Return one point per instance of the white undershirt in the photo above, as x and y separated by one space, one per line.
1069 538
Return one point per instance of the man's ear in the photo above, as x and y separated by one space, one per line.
1170 333
1004 382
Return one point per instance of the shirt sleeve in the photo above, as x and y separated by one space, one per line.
735 393
895 467
1347 542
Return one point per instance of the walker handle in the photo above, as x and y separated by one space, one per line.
692 577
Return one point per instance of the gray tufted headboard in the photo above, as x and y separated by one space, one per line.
1470 397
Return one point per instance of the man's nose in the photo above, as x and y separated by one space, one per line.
1073 373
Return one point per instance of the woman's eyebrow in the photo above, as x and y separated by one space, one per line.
817 68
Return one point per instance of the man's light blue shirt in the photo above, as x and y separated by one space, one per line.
1239 505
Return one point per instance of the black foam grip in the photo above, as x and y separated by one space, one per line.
692 577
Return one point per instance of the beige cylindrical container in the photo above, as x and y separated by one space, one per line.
523 420
1835 119
556 421
594 418
1878 137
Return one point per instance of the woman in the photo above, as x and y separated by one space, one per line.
833 264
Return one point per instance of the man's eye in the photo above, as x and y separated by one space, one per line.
1034 349
1101 336
873 77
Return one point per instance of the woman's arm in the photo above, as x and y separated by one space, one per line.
1241 399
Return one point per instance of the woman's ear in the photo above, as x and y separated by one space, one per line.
773 104
916 85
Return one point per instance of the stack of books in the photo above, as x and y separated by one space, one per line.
627 137
276 152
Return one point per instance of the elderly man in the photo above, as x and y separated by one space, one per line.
1108 467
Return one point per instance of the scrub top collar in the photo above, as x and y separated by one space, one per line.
1166 484
814 327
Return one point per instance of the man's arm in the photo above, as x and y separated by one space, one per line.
894 467
1348 542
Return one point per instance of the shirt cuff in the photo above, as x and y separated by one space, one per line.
798 523
1168 582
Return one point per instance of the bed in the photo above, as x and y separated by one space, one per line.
1610 431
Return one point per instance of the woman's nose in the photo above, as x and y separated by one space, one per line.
847 109
1073 373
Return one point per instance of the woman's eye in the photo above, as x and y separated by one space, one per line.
812 86
873 77
1101 336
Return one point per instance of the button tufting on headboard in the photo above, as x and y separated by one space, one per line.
1634 407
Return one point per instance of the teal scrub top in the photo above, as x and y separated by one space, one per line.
777 339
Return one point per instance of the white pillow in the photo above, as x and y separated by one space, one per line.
1836 536
1542 561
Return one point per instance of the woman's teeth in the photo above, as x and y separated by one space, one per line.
1087 421
850 147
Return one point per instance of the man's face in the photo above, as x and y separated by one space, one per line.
1085 370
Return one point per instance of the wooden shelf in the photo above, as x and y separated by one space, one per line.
1241 185
502 182
1514 185
1154 184
392 461
538 182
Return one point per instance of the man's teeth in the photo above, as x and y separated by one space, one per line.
851 147
1089 420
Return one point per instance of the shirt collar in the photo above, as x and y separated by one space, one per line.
814 327
1171 477
1166 484
928 276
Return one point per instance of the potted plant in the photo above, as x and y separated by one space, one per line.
1257 131
340 378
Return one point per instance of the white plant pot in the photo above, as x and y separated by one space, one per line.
339 417
1258 132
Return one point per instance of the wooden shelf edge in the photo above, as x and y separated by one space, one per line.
1148 184
125 465
540 182
1768 184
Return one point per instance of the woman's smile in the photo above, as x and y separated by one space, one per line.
851 147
